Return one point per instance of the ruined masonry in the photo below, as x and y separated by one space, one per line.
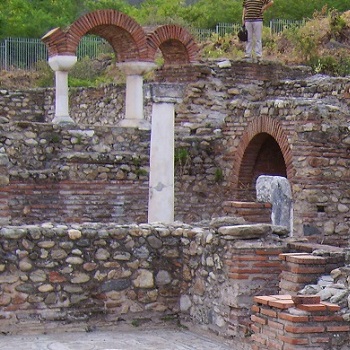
244 231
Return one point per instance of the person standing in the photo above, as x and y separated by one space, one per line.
252 17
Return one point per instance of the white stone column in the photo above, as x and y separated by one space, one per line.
62 65
161 181
134 116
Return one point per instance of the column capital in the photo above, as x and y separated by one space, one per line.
63 63
167 93
136 67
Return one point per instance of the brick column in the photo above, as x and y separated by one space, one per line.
300 269
251 270
283 322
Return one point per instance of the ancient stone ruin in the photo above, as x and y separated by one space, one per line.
218 193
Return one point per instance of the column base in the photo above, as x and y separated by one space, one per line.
141 124
62 120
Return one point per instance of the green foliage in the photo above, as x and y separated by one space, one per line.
207 13
152 12
337 23
304 43
46 74
221 46
331 65
219 175
34 18
181 156
86 74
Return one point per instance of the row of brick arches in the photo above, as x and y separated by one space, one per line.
129 40
264 147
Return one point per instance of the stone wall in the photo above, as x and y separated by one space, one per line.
89 273
96 275
225 104
98 173
99 274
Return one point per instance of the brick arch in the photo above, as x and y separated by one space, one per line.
262 130
124 34
176 44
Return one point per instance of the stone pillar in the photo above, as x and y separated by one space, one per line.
62 65
134 93
277 191
161 182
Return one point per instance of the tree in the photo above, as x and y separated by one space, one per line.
34 18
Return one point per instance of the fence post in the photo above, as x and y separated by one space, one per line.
6 54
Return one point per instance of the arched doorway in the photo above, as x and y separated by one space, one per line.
262 156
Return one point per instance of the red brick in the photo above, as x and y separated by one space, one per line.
345 328
326 318
320 340
304 269
330 306
284 256
306 259
294 341
256 328
282 296
255 308
281 304
275 325
259 338
263 299
268 264
269 251
258 319
304 329
306 299
274 344
293 318
312 307
292 277
244 270
268 312
249 258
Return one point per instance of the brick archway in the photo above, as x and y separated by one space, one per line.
124 34
127 38
176 44
264 138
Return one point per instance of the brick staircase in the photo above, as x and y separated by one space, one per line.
252 212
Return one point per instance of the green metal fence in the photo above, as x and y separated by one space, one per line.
25 53
279 25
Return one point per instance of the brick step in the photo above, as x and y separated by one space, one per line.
252 212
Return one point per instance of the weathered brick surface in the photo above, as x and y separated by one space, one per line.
127 38
318 328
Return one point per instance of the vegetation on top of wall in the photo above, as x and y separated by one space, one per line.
322 43
34 18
